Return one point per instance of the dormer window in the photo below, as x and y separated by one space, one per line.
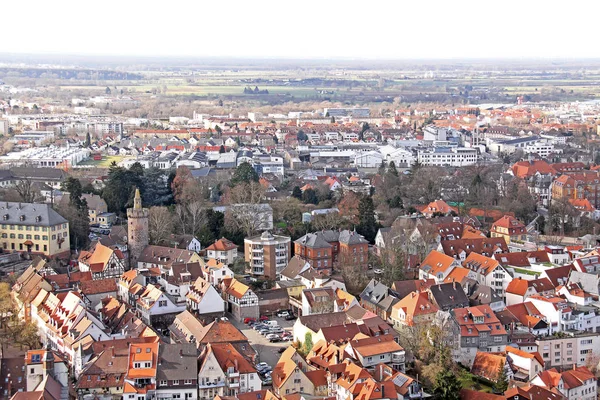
21 217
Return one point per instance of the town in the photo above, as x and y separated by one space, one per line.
247 247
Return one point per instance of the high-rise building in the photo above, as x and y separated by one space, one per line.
137 226
266 255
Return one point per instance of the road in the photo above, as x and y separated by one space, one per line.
266 350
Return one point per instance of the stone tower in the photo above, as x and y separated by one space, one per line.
137 229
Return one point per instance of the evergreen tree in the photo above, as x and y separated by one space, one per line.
447 386
244 173
367 225
501 384
310 197
392 168
88 140
221 149
297 193
381 170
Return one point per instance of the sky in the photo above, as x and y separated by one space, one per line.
372 29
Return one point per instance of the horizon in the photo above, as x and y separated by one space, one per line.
312 30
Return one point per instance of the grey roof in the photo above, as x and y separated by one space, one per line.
590 283
448 296
374 292
177 362
351 237
293 268
483 294
314 240
314 322
200 173
38 173
29 214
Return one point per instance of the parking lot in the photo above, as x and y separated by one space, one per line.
266 350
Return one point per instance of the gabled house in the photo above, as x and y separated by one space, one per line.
437 266
518 290
509 228
102 262
164 257
370 351
225 371
375 297
156 307
215 271
461 248
223 250
577 383
318 301
242 302
525 365
203 298
414 309
448 296
488 271
524 317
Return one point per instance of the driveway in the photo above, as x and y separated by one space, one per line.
266 350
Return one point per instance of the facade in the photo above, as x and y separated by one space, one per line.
509 228
34 229
203 298
448 156
578 185
267 255
223 250
137 227
242 302
566 351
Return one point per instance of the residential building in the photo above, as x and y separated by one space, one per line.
318 301
34 229
103 262
267 255
223 250
509 228
242 302
567 350
527 365
576 384
156 307
437 266
488 271
177 371
203 298
414 309
371 351
476 329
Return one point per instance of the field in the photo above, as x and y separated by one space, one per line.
104 163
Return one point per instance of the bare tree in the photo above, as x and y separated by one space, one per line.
27 190
160 224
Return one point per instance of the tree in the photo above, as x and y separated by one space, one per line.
367 225
221 149
79 224
160 224
308 343
447 386
6 303
73 187
185 188
301 136
88 140
244 173
297 193
501 384
392 168
28 336
310 197
27 190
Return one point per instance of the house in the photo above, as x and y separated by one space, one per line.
405 387
225 371
184 242
574 293
577 383
12 376
562 351
476 329
164 257
414 309
370 351
317 301
121 321
289 377
401 289
177 371
39 364
448 296
155 307
203 298
96 205
437 266
483 294
489 366
525 365
272 300
461 248
487 271
176 281
518 290
103 262
509 228
94 291
223 250
375 297
524 317
215 271
564 317
589 264
532 392
438 207
242 302
311 324
142 363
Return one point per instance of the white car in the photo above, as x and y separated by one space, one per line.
283 314
378 271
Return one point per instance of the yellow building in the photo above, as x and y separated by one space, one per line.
33 228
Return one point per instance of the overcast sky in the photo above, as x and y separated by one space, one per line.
395 29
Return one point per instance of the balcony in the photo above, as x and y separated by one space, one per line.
233 374
234 385
208 385
398 357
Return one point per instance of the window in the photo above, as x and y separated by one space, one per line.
162 303
176 382
382 356
187 382
163 383
44 237
137 365
176 395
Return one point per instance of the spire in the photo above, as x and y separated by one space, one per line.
137 201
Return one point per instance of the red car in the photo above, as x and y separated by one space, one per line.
264 318
248 320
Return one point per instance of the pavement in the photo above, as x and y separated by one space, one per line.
266 350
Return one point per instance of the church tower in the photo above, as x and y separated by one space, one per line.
137 229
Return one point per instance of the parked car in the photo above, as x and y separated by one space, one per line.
267 381
276 329
270 323
274 338
288 338
272 335
263 367
282 349
283 314
249 320
290 317
258 326
263 318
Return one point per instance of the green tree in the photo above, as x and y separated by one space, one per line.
88 139
301 136
392 168
310 197
367 225
447 386
221 149
244 173
297 193
501 384
308 343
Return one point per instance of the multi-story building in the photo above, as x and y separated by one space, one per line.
35 229
488 271
568 350
448 156
476 329
242 302
267 255
576 384
223 250
509 228
323 249
578 185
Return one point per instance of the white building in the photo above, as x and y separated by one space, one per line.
448 156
